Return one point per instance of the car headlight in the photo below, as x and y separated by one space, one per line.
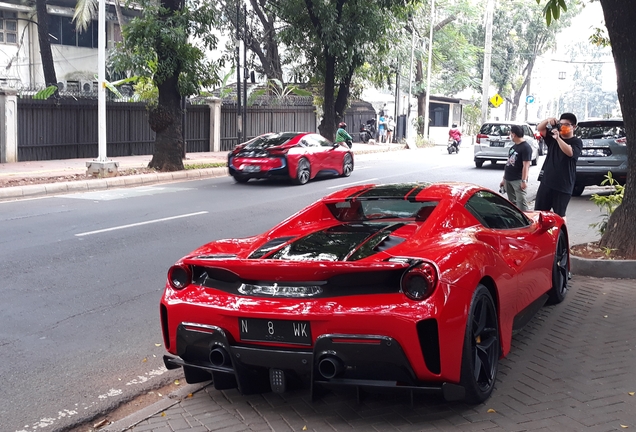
419 282
179 276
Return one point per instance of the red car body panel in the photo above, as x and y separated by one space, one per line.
516 263
281 160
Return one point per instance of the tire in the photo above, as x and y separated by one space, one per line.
241 179
480 356
303 172
479 163
560 270
347 165
493 161
450 150
578 190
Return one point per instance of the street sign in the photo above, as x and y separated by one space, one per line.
496 100
529 99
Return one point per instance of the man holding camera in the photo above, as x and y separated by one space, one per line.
558 174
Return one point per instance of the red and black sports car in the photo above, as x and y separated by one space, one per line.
416 286
297 156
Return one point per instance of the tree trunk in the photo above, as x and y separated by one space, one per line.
165 119
268 54
48 66
619 18
327 126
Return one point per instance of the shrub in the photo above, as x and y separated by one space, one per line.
607 203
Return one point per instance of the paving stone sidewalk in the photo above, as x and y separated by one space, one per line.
573 368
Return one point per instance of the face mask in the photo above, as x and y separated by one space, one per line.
565 130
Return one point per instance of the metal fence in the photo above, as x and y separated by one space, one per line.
67 128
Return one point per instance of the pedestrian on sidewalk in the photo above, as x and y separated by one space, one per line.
390 127
517 169
558 173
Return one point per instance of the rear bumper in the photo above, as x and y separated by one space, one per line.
365 361
264 173
592 175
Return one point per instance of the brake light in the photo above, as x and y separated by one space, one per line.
278 151
537 136
179 276
419 282
621 141
480 137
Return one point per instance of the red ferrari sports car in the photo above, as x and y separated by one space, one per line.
298 156
417 286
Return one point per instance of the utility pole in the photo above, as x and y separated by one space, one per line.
245 73
101 167
428 72
408 103
485 83
239 118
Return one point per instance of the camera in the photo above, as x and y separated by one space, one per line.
557 126
502 190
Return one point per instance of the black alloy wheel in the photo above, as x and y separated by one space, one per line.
578 190
347 165
560 270
480 357
303 172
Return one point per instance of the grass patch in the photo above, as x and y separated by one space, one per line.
205 165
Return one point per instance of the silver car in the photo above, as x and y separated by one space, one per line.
493 142
604 150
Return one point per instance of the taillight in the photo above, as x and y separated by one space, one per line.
480 137
621 141
537 136
179 276
419 282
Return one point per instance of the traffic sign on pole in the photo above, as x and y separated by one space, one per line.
496 100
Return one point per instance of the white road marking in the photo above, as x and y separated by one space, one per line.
139 224
340 186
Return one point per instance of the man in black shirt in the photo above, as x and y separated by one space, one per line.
558 174
517 168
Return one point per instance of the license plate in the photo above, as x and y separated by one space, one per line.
251 168
595 152
496 143
263 330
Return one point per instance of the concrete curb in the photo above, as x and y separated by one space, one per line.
599 268
33 191
172 399
40 190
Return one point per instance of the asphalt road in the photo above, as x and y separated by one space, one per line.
83 275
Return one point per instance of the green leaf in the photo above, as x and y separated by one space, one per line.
556 11
113 89
300 92
563 5
45 93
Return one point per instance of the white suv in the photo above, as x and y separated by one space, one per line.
493 142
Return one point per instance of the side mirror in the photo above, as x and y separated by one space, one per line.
546 221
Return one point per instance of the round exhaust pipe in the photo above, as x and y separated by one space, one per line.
219 357
330 367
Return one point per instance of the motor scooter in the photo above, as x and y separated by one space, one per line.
452 146
367 131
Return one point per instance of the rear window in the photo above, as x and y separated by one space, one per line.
270 140
495 129
600 130
373 209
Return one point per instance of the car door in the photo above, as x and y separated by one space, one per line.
520 245
331 156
